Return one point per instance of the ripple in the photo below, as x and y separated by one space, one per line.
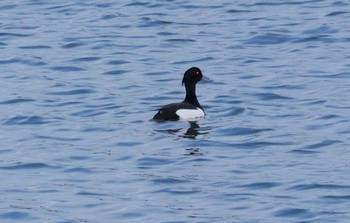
117 62
109 16
194 61
261 185
87 193
79 157
147 22
168 181
269 38
128 144
337 198
241 131
180 40
324 143
233 111
293 212
10 60
73 92
64 139
14 34
164 33
321 38
343 75
86 59
155 73
26 120
273 3
179 191
138 4
284 86
249 76
254 145
67 68
149 162
35 47
115 72
16 101
59 6
271 96
327 117
27 166
72 45
235 11
321 30
33 62
8 7
335 13
17 215
78 170
302 187
303 151
5 151
87 113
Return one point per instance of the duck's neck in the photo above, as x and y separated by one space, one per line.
191 95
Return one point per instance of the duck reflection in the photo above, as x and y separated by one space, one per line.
192 132
193 152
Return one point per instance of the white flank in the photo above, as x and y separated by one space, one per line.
190 113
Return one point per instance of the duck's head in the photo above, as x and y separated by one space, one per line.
192 76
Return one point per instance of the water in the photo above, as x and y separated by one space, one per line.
80 81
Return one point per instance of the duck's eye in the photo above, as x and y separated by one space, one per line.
197 72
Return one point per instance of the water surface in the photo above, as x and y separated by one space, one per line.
81 80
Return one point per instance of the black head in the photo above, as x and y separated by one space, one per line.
192 76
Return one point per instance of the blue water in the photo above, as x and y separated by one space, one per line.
80 81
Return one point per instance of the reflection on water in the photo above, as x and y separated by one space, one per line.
170 131
193 152
192 132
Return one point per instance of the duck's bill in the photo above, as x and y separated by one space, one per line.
205 79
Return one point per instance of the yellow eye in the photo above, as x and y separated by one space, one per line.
197 72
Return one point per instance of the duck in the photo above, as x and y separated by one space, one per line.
189 108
